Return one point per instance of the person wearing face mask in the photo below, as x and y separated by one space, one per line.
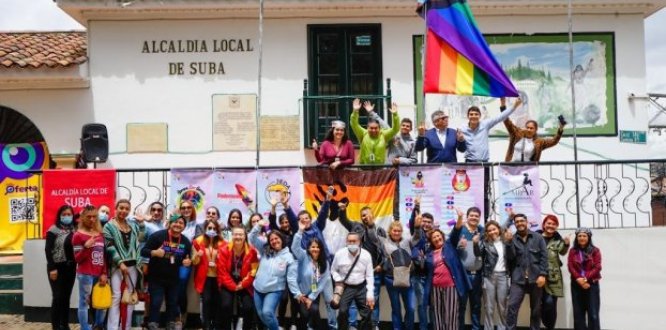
447 277
556 245
122 238
352 272
205 250
373 140
104 214
584 263
236 269
370 237
277 270
524 144
472 265
313 276
167 249
492 249
61 265
527 258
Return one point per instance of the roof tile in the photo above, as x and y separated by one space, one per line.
37 49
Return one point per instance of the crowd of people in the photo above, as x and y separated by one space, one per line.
247 273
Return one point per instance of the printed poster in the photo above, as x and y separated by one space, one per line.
277 184
193 186
520 192
462 187
19 200
422 182
235 189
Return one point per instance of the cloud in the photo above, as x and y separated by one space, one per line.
34 15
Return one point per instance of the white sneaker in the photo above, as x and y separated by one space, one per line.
293 327
239 325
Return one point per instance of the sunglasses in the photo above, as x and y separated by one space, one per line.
185 207
156 210
210 228
211 213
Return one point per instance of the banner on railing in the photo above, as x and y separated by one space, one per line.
275 183
192 186
424 183
519 192
355 188
462 187
235 189
76 188
19 188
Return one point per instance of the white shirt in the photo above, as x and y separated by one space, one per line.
499 266
362 271
523 147
441 134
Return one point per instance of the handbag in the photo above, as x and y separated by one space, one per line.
400 274
340 287
101 296
130 297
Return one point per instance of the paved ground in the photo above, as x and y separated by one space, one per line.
12 322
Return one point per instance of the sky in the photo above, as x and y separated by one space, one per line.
44 15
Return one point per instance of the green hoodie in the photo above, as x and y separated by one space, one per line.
374 146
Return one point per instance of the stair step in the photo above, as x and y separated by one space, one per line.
11 282
11 269
11 301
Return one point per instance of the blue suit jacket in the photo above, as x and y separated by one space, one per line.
437 153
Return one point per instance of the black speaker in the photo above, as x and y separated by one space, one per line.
94 143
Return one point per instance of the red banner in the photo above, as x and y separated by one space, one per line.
76 188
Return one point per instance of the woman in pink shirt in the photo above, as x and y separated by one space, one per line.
337 150
88 244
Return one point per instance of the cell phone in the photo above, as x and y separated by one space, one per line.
561 119
331 190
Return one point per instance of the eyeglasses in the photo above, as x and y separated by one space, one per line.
210 228
211 213
156 210
185 207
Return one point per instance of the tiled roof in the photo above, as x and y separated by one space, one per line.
39 49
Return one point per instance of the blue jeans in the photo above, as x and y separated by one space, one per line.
86 283
158 293
407 295
327 292
266 304
353 311
184 278
474 297
419 283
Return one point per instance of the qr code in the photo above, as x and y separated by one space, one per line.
22 209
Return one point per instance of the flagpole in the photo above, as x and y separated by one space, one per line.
573 105
261 51
423 64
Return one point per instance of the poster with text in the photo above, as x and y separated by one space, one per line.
462 187
76 188
19 188
423 182
192 186
235 189
519 192
279 184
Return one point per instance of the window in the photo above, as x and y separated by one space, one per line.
344 62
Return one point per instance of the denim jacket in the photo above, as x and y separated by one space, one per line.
528 259
276 269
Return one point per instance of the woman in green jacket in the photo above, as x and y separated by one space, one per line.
556 246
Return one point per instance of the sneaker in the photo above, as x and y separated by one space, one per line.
293 327
239 324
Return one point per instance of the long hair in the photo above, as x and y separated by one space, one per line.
249 222
268 248
216 239
96 225
321 260
62 209
193 217
492 223
329 135
240 216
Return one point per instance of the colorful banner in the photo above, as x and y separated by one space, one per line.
462 187
76 188
193 186
235 189
357 189
274 183
19 189
424 183
520 192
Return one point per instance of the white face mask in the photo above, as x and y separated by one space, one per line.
353 248
211 233
103 217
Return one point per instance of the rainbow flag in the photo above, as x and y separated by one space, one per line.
458 59
374 188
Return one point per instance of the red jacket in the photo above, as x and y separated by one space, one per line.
582 265
250 264
201 263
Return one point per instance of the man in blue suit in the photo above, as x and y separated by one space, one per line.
440 142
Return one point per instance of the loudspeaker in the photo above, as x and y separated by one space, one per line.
94 143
